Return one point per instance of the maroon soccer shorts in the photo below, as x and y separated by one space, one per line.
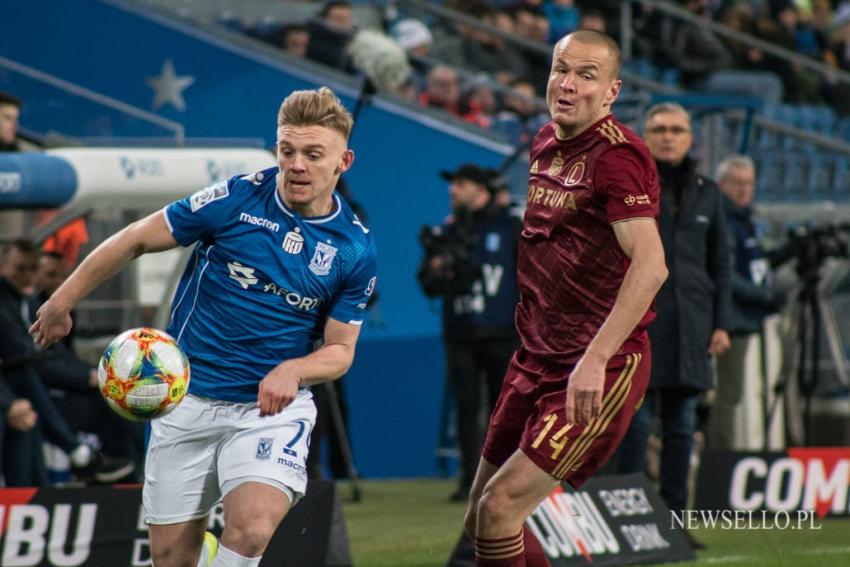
530 415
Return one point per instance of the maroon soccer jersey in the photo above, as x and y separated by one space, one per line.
570 265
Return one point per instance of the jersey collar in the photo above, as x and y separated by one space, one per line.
313 220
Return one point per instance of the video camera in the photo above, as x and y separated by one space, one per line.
454 245
812 244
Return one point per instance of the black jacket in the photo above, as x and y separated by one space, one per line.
696 298
485 309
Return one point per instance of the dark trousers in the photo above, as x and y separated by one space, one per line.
473 366
23 462
26 383
676 409
85 410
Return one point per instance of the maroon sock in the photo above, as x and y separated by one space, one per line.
500 552
534 554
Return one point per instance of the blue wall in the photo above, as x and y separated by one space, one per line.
70 48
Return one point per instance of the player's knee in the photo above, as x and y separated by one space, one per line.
249 538
494 504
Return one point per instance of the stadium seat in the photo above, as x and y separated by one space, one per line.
508 125
769 178
231 21
795 176
819 186
841 180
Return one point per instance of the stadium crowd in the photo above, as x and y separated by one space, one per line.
494 77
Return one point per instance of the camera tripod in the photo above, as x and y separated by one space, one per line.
810 315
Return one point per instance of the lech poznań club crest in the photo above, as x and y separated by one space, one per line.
264 448
322 259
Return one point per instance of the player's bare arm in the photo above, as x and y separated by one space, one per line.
641 242
149 234
333 359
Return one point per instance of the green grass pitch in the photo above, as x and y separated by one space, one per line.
411 523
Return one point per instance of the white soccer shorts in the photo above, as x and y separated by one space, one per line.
205 448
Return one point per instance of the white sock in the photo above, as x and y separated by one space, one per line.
81 456
229 558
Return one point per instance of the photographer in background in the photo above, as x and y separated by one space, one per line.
470 261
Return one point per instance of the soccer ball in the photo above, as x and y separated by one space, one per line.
143 374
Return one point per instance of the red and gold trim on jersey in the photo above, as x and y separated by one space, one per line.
612 132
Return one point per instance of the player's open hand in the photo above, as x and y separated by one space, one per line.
278 389
52 322
584 392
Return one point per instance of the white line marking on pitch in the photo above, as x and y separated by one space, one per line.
728 559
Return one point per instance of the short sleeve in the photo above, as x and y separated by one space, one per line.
629 180
194 217
350 303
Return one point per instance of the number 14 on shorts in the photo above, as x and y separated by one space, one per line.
558 440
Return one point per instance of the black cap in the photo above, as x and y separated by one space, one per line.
472 172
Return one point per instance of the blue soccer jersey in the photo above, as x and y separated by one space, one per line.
262 281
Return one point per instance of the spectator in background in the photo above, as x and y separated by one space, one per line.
515 65
780 25
473 268
442 90
67 240
706 63
330 34
20 356
412 36
72 382
10 113
531 24
478 49
753 295
593 20
295 39
563 16
520 116
478 103
839 41
693 305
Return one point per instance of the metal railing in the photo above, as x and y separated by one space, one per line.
74 90
627 36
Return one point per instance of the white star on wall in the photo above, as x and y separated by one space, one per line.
168 87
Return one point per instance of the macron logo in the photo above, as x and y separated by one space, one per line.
259 221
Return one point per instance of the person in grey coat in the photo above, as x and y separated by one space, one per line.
693 307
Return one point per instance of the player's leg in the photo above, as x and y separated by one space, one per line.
510 496
504 431
252 512
177 545
262 469
181 481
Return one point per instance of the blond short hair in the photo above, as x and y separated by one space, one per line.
315 108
